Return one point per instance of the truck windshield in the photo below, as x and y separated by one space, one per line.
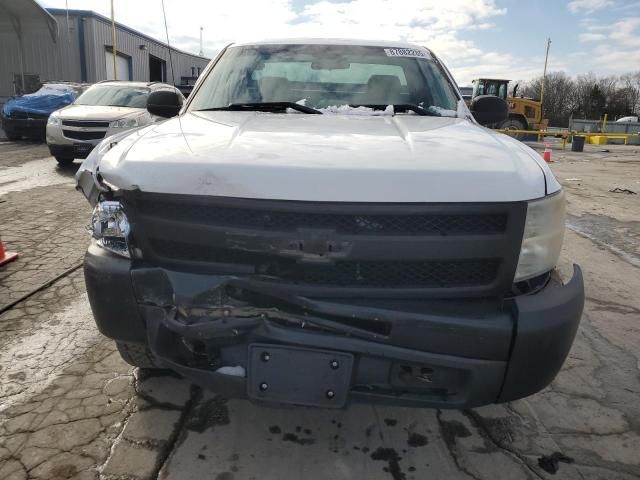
327 76
114 96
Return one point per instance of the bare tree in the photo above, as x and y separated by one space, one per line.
585 96
558 96
631 83
581 95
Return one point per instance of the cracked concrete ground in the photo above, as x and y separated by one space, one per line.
70 408
41 217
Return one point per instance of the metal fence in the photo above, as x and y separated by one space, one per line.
593 126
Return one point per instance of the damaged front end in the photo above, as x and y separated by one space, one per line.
316 303
89 179
337 350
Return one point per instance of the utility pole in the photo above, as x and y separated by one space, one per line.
113 40
544 79
66 4
201 52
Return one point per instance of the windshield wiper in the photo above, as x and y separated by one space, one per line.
264 107
403 107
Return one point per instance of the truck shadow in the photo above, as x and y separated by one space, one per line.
225 439
68 170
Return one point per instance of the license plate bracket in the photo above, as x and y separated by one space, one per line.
300 376
82 148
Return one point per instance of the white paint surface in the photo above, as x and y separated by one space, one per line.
404 158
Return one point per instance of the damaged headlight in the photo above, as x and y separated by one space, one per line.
110 227
543 235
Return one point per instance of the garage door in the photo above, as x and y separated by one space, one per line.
122 66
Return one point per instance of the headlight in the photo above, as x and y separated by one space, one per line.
543 235
124 123
54 120
110 227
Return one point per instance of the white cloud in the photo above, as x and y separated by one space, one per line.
628 5
438 24
223 22
433 23
494 65
612 60
591 37
626 32
618 45
588 6
409 18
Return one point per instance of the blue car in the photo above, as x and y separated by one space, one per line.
26 115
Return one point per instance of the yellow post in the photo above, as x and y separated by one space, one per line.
604 123
113 40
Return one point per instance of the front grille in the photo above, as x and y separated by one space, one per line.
18 115
400 274
79 135
362 223
328 249
85 123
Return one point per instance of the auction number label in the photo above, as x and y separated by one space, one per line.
405 52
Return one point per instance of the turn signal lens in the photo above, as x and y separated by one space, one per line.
543 236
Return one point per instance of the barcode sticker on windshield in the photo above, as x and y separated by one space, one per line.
405 52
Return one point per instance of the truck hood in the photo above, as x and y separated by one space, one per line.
343 158
94 112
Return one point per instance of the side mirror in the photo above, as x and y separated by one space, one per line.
489 109
164 103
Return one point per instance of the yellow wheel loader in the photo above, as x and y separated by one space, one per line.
524 113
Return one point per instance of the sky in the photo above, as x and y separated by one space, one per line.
475 38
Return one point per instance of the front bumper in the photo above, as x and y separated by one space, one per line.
62 146
78 150
31 128
69 141
432 353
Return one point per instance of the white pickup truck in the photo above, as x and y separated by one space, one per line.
324 222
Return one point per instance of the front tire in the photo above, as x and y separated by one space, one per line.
64 160
137 355
514 124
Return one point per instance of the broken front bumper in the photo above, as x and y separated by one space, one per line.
439 353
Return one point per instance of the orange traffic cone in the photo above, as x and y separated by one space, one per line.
6 257
547 153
